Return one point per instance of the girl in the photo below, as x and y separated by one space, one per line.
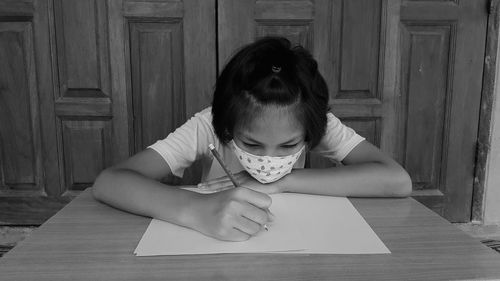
270 106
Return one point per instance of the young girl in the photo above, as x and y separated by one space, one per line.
269 108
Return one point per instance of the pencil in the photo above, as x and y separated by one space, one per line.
219 159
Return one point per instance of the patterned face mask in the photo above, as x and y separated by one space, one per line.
266 169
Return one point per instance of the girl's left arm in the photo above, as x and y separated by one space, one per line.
367 172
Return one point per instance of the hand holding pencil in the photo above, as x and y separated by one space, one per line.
234 214
231 176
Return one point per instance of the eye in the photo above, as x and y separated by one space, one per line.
289 145
250 144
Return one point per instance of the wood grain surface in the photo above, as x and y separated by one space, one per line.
88 240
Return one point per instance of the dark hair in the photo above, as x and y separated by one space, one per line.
270 72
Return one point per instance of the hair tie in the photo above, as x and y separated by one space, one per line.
276 69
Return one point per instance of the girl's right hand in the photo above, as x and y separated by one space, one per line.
235 214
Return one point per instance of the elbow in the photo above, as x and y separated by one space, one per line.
403 184
99 187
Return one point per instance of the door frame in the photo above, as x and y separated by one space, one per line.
490 69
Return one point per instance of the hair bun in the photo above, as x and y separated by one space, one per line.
276 69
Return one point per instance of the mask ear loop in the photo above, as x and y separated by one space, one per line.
307 147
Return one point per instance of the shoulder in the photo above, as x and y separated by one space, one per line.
197 126
333 125
338 140
332 119
200 120
204 129
204 116
205 113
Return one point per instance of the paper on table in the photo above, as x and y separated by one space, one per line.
303 224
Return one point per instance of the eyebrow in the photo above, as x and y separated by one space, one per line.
294 139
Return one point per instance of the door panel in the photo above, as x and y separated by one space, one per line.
86 151
82 49
21 153
425 68
158 100
357 29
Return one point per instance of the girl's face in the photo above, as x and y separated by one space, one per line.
275 132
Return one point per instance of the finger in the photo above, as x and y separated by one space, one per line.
216 180
238 176
258 199
255 214
235 234
247 226
216 186
258 188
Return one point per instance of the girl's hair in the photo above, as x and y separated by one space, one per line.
270 72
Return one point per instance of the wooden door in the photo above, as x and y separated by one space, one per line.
85 84
404 74
442 56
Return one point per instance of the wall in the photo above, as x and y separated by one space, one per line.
492 180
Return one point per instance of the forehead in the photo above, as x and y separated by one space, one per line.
272 125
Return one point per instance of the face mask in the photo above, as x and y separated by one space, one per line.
266 169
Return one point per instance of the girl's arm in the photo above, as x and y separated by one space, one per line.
367 172
233 215
133 186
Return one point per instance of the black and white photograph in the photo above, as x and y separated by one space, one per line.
249 140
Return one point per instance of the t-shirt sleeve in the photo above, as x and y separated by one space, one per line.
186 144
338 140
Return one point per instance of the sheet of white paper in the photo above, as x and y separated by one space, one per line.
305 224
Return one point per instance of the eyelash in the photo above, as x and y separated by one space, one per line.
250 144
283 146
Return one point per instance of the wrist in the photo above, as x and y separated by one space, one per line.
185 212
190 209
292 181
282 185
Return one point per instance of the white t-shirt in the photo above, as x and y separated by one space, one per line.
190 141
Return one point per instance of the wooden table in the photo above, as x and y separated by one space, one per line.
88 240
